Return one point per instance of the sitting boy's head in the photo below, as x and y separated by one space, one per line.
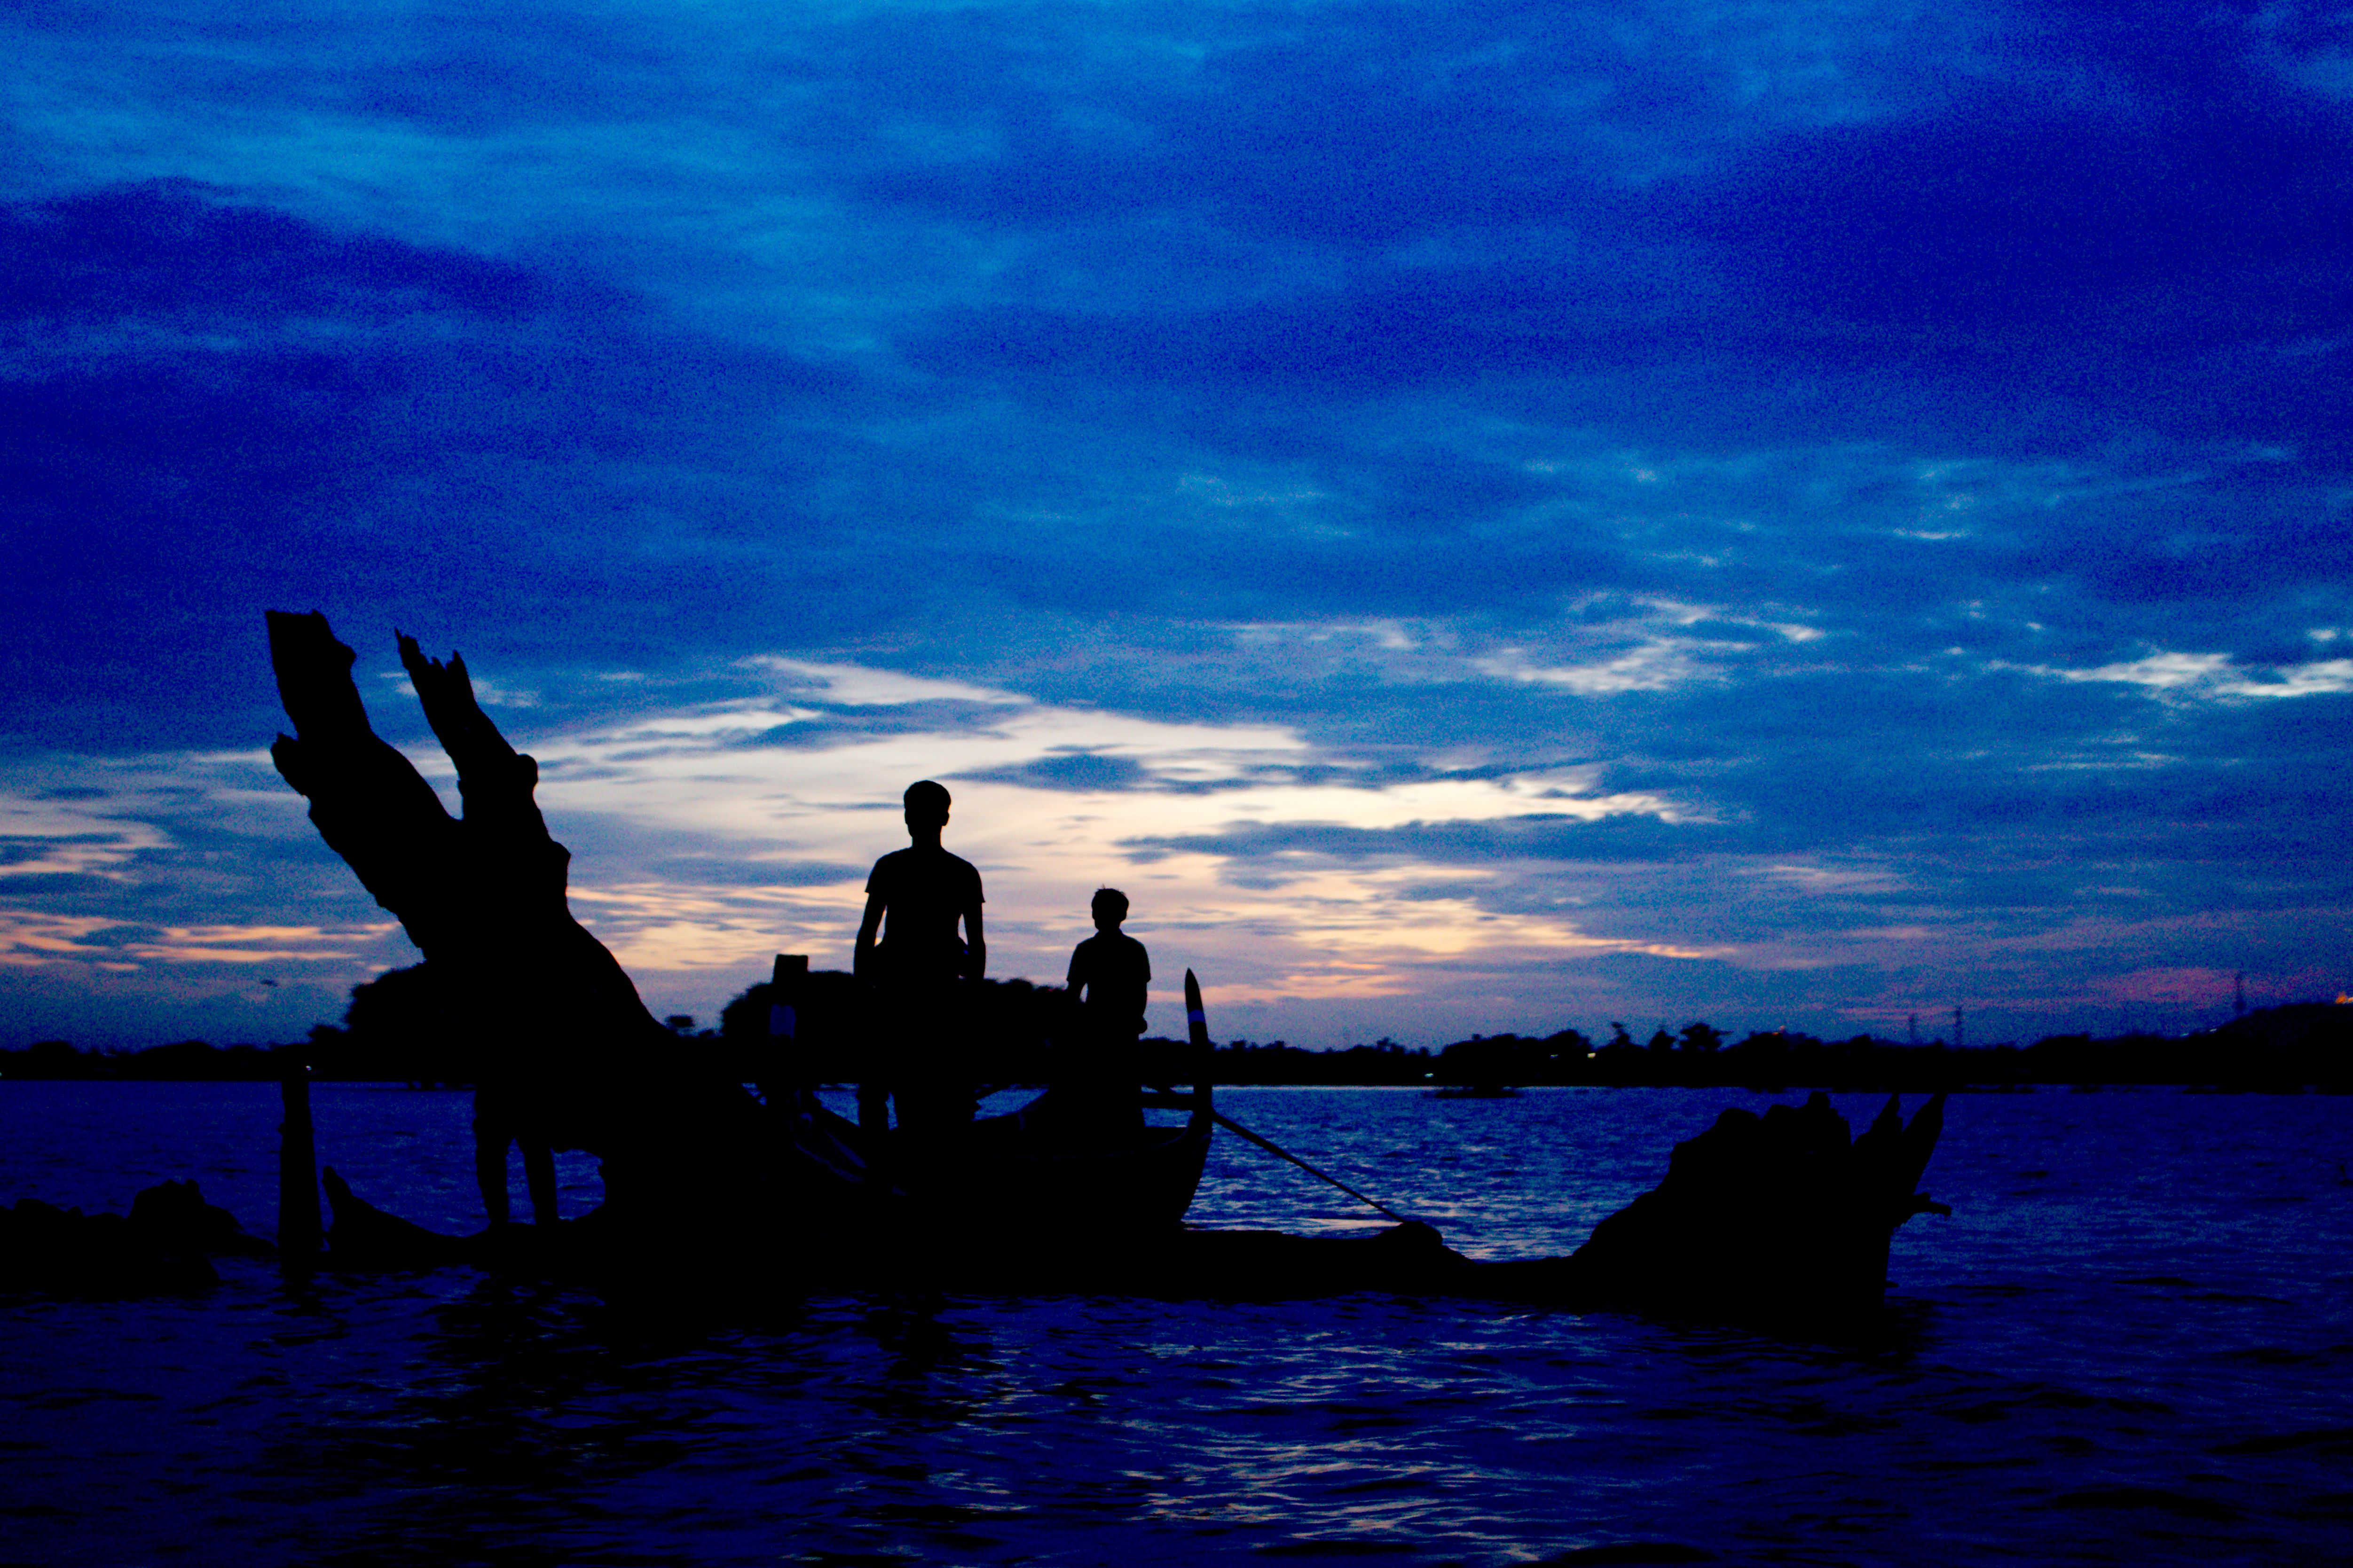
1110 908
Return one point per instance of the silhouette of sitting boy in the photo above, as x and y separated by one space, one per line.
915 899
1096 1085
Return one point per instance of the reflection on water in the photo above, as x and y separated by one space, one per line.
2131 1341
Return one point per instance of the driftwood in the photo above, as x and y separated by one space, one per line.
1776 1218
481 895
531 1001
1780 1208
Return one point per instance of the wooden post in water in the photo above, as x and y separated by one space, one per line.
780 1069
298 1170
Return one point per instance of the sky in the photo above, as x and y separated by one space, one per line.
1478 516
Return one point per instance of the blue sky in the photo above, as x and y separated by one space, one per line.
1479 517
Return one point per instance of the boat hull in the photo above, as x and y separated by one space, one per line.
1011 1175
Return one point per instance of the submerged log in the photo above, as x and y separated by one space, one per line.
1779 1217
164 1245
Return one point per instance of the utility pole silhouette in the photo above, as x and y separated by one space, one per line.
1961 1033
2239 994
1913 1028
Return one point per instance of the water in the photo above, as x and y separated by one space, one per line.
2132 1343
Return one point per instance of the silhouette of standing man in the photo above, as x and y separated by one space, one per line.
913 901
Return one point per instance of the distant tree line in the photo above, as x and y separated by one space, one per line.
397 1030
2308 1045
184 1061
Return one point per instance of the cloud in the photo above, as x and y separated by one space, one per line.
1658 666
250 944
212 406
30 937
850 686
2214 674
65 833
1072 770
37 937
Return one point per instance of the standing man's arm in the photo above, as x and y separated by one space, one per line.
864 950
976 952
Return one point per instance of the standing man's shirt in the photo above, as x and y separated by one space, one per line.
923 892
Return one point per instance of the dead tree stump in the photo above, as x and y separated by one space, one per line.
531 1001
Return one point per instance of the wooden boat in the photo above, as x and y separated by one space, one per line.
1010 1188
1038 1169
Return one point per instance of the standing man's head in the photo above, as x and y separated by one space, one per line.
1110 908
927 811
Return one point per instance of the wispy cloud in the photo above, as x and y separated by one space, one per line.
29 937
53 834
2217 675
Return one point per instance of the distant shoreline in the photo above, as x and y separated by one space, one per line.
2288 1049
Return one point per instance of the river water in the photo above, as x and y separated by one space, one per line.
2133 1342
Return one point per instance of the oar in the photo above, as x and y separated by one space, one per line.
1197 1023
1272 1147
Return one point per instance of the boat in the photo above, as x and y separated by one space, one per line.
1027 1169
